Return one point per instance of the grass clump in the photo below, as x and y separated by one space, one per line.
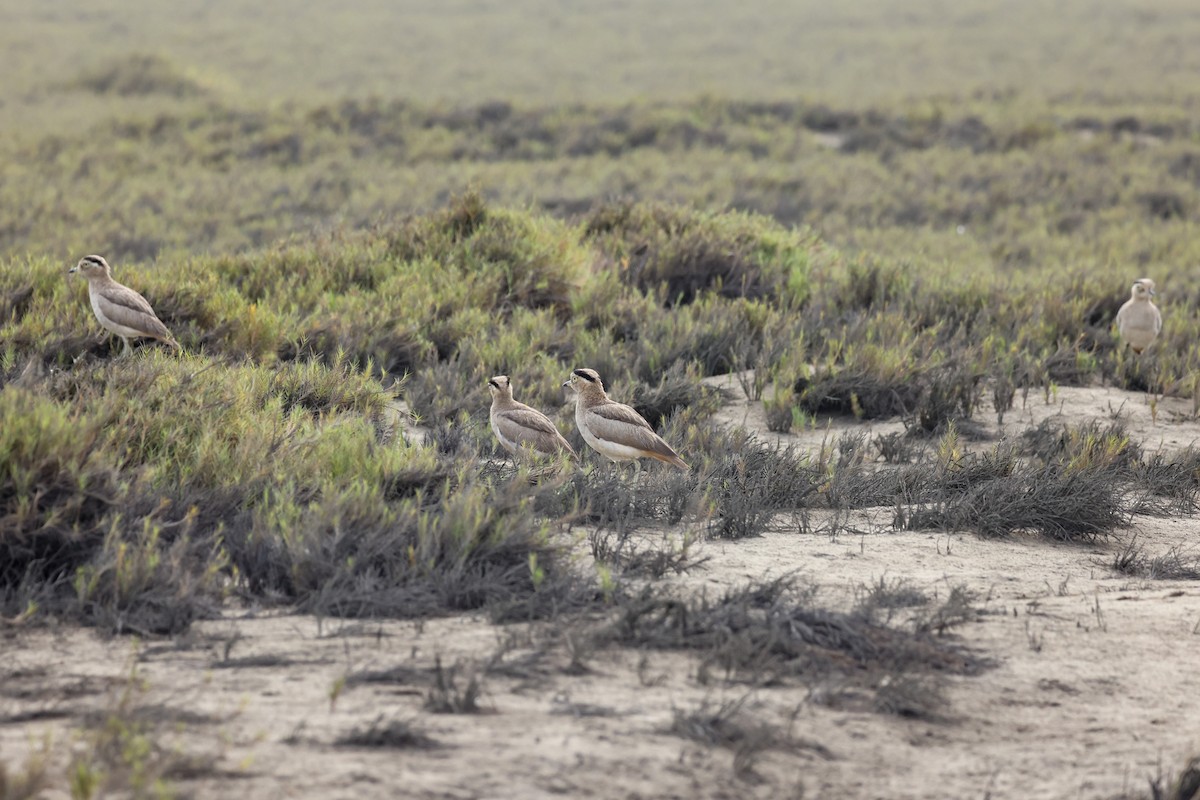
452 692
30 779
684 254
56 488
750 482
1167 786
731 726
507 258
463 546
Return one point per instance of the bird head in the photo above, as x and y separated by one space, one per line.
585 381
92 267
500 387
1142 289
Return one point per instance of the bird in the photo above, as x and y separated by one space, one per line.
521 430
613 429
1139 320
119 308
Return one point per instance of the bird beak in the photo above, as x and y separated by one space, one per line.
1153 293
73 270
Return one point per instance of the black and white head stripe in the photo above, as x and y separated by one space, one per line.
97 260
587 375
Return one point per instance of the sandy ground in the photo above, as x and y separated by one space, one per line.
1095 689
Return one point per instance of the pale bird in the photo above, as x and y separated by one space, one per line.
1139 320
523 430
119 308
613 429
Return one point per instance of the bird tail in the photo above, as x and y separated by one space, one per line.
672 459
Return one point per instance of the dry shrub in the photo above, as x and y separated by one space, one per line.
1062 503
860 391
1167 484
397 734
731 726
768 632
749 482
1176 564
643 554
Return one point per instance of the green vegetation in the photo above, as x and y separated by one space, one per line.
270 459
351 221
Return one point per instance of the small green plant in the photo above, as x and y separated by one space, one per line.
335 691
781 413
30 779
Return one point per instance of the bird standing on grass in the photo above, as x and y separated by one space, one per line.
612 429
523 430
1139 320
119 308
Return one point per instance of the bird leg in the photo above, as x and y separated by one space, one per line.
128 349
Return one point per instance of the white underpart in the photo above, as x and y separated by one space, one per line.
506 443
119 330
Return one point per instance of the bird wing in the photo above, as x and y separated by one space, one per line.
528 426
618 423
126 307
619 415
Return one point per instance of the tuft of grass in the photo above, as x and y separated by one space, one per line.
395 734
631 554
730 726
884 598
1164 786
447 696
683 254
1176 564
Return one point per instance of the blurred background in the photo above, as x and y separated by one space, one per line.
990 133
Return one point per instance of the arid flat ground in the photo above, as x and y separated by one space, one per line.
1094 690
